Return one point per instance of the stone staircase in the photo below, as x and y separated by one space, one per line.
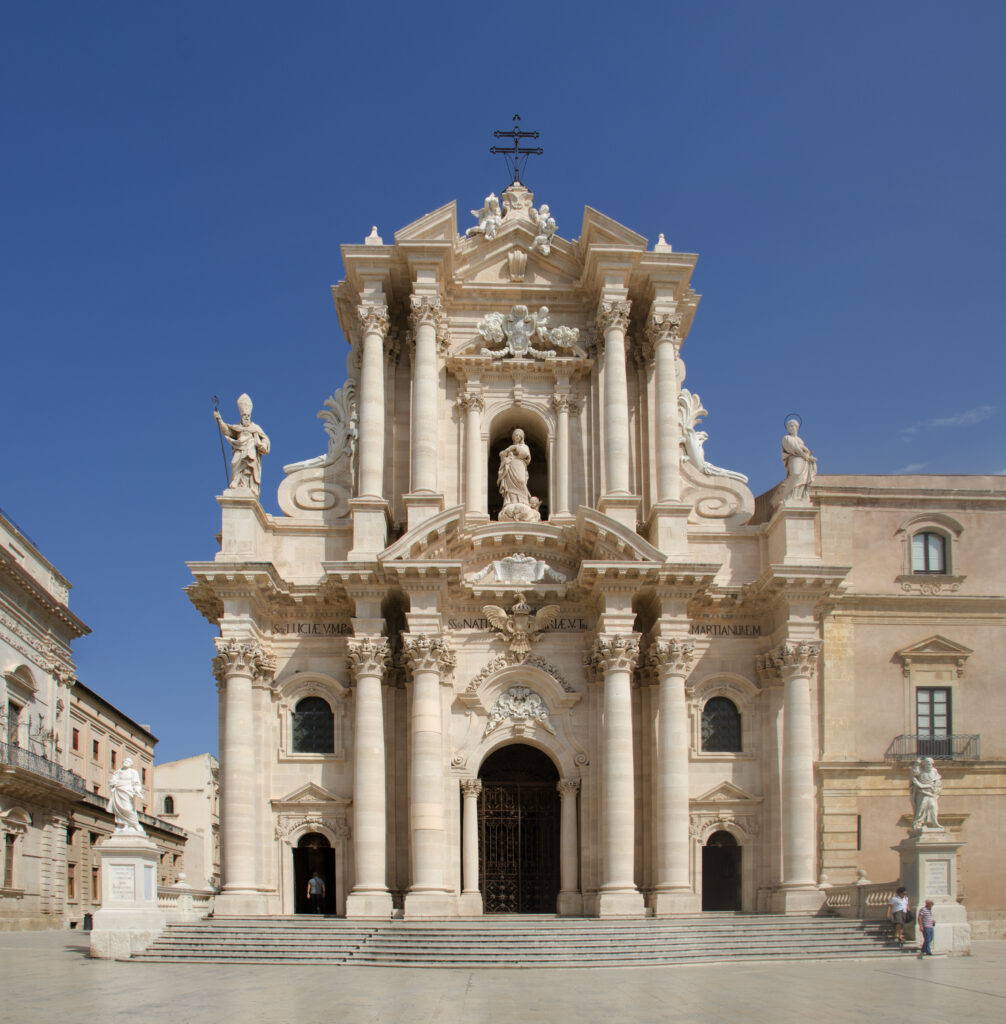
519 941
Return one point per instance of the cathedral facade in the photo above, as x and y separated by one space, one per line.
514 645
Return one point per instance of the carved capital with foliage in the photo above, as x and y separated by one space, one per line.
671 657
568 787
427 310
789 660
613 314
368 656
429 654
615 653
243 657
662 327
471 787
373 319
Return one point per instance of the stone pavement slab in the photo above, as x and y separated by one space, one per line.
47 976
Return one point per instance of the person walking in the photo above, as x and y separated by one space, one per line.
927 924
897 912
316 892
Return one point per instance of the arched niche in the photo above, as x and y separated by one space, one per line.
538 435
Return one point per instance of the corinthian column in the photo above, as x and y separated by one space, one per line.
662 332
561 468
369 896
473 403
672 660
794 664
428 322
615 657
471 896
374 326
431 660
613 319
238 664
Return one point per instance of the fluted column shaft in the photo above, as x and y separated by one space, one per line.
795 664
367 659
662 330
561 466
568 840
470 789
430 658
616 658
427 321
237 664
613 318
672 659
473 403
374 326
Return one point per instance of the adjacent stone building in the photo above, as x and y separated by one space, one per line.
514 645
60 742
187 794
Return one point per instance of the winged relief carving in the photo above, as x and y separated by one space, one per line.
520 628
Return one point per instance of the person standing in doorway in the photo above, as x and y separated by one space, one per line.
897 912
927 924
316 892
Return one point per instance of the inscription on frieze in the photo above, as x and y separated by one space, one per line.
558 625
733 629
312 629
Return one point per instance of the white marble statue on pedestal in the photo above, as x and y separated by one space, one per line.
800 463
125 787
249 442
925 786
518 505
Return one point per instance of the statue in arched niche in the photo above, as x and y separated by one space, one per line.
512 479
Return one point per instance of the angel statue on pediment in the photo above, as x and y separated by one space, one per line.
545 225
489 218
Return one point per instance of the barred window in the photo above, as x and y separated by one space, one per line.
169 805
721 726
313 727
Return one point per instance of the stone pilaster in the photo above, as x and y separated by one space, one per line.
615 658
429 327
431 660
374 325
794 664
613 320
662 333
368 658
473 404
238 665
563 405
671 659
471 897
570 903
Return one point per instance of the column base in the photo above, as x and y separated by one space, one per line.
371 517
374 903
241 903
427 905
569 904
621 903
469 904
623 508
420 507
670 902
796 899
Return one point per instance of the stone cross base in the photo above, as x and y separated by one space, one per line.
129 920
929 872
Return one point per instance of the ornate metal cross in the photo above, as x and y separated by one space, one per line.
516 155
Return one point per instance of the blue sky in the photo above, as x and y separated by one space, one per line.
176 181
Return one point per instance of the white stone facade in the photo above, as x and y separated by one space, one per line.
417 610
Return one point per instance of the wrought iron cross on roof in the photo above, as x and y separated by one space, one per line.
516 155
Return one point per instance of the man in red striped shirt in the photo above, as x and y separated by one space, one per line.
927 924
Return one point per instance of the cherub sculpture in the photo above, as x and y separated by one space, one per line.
520 628
518 331
545 224
489 218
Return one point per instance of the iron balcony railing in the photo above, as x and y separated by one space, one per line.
939 748
18 757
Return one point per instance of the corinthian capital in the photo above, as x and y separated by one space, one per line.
368 656
472 398
373 319
661 327
427 310
613 314
429 654
243 657
789 660
568 787
615 653
671 657
471 787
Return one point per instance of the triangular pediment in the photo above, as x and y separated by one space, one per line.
441 225
727 793
599 229
309 795
934 648
487 265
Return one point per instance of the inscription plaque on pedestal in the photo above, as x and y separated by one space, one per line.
938 878
123 879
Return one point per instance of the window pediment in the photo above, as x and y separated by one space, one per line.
935 650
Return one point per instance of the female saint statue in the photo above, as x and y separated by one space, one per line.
801 466
518 505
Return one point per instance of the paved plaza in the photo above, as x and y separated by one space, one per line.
47 976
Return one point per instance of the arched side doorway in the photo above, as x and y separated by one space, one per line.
519 818
313 853
721 873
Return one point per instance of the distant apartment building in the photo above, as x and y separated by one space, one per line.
187 794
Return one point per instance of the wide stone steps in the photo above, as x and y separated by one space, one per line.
518 941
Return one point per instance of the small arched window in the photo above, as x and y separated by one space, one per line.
721 726
929 553
169 805
313 727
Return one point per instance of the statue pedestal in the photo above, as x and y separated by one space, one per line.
128 920
929 872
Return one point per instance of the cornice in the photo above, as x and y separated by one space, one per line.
30 586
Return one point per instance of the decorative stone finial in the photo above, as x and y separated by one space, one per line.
373 238
662 244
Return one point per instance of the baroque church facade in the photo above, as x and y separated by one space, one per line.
514 645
